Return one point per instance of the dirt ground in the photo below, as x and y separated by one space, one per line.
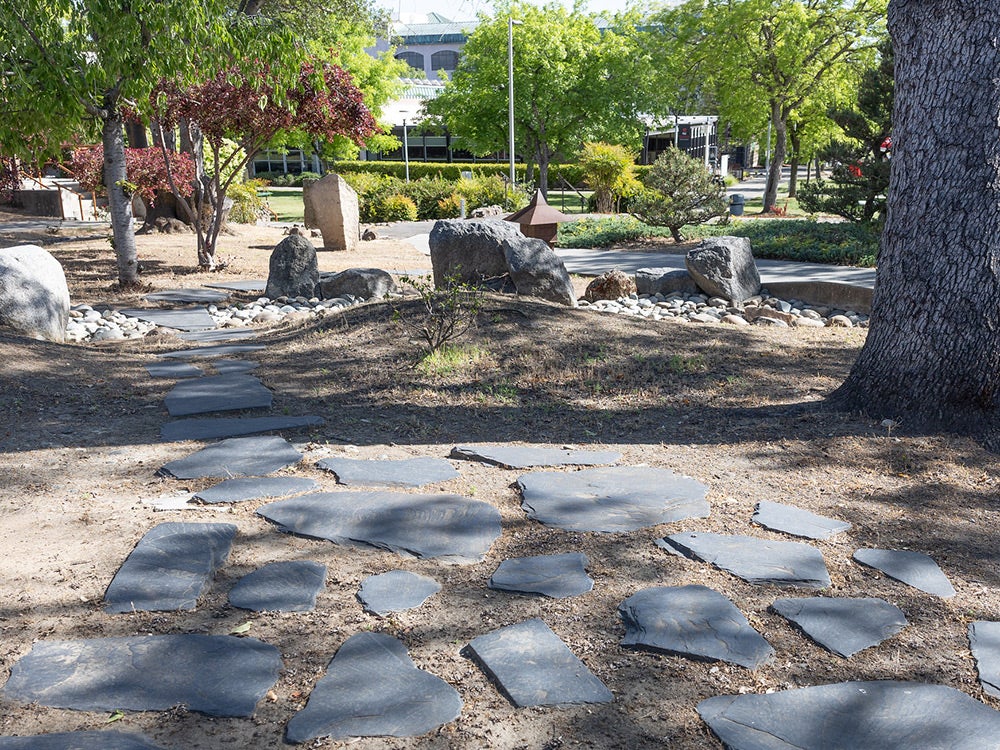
738 409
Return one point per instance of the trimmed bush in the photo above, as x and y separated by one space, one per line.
398 207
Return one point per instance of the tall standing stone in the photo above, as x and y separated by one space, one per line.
332 206
293 270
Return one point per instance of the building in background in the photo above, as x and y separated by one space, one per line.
432 46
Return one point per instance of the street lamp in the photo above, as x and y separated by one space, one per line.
406 151
511 23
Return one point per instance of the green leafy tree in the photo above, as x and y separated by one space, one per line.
679 191
95 61
610 172
571 83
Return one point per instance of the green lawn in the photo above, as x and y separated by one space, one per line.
568 201
286 203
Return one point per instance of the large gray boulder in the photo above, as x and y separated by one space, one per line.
470 251
724 267
293 271
331 205
537 271
34 298
664 281
365 283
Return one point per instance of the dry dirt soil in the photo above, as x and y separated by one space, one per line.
738 409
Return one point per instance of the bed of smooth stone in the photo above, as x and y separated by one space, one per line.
255 488
449 527
372 688
210 352
396 591
984 638
557 576
174 370
286 586
843 626
796 521
700 308
623 498
92 740
235 457
219 334
692 621
218 675
87 324
209 428
184 296
170 567
408 472
533 667
185 319
529 456
912 568
761 561
217 393
882 715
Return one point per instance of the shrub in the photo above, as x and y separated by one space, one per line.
450 207
306 176
609 171
605 232
144 166
248 206
398 208
444 314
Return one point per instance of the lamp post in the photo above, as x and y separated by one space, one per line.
511 23
406 151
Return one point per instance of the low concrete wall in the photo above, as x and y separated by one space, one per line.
41 202
829 293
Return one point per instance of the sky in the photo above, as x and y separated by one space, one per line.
463 10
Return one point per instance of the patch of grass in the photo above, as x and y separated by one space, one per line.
679 365
608 231
569 201
450 360
501 393
287 204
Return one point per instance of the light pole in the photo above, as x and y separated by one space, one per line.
511 23
406 151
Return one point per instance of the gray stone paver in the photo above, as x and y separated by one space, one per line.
284 586
844 626
984 639
530 456
215 393
557 576
183 296
407 472
796 521
396 591
209 428
235 457
912 568
193 319
174 370
255 488
87 740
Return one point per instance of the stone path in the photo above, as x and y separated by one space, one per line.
371 686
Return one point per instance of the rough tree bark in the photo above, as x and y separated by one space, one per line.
932 356
793 178
119 197
780 122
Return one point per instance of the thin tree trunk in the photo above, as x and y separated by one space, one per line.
119 199
793 178
136 134
780 148
932 355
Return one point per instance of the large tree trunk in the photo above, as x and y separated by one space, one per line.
119 199
932 356
780 149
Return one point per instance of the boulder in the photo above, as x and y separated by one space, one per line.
724 267
34 298
332 206
610 285
365 283
293 271
487 212
470 251
664 281
537 271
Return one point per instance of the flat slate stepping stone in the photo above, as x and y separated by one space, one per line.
210 428
557 576
217 393
182 296
218 675
843 626
210 352
79 741
219 334
234 366
192 319
614 499
289 586
533 667
170 567
527 456
876 715
450 527
254 488
692 621
373 689
396 591
796 521
912 568
409 472
247 285
984 637
754 560
235 457
174 370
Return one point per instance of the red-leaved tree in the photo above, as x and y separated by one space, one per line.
146 168
242 105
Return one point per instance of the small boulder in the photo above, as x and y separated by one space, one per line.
487 212
610 285
470 251
537 271
365 283
369 235
724 267
664 281
293 271
34 298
